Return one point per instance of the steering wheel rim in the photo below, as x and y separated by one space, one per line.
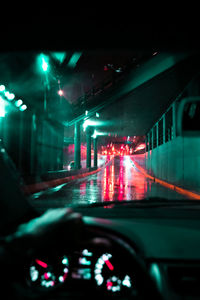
145 283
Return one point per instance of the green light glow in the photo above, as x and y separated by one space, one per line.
11 96
65 261
60 56
61 279
7 94
44 65
18 103
85 273
43 62
89 123
23 107
74 59
127 281
84 261
96 133
2 108
86 252
2 88
155 272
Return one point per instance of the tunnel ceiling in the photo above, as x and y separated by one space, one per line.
128 108
137 112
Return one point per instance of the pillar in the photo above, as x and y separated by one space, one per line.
77 146
95 152
88 140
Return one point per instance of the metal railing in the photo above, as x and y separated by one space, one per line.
166 125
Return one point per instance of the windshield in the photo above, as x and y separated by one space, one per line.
86 127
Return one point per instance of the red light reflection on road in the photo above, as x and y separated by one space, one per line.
108 183
122 181
132 184
83 188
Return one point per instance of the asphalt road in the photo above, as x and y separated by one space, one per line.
119 180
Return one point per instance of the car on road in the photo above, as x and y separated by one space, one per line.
71 166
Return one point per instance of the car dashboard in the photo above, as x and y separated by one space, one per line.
120 259
101 267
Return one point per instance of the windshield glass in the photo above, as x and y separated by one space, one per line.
83 127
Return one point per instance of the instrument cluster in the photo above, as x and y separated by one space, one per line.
94 269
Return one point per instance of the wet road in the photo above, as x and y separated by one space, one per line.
119 180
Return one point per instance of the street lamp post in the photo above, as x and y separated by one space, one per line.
88 139
95 140
45 68
77 146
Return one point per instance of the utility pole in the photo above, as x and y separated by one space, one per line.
77 145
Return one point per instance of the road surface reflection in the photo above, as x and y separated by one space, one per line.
119 180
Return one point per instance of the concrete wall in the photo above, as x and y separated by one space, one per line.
177 161
34 144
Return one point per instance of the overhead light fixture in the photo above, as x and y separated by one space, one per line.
43 62
23 107
44 65
2 88
11 96
97 133
74 59
59 56
89 123
18 103
6 96
60 93
2 108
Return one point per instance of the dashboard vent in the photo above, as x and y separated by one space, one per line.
185 280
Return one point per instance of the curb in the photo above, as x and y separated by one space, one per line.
41 186
166 184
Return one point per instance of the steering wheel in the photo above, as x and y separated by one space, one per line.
47 233
145 284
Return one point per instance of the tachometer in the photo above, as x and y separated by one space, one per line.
46 275
110 276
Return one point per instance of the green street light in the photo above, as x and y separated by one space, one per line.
44 65
2 108
43 62
23 107
2 88
9 96
18 103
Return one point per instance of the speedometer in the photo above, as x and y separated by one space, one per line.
45 274
109 275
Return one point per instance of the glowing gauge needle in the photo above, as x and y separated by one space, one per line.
41 263
109 265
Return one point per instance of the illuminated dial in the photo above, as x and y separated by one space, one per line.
113 284
44 275
110 275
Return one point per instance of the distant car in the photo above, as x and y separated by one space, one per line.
71 165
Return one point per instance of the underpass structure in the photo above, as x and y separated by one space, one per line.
140 99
